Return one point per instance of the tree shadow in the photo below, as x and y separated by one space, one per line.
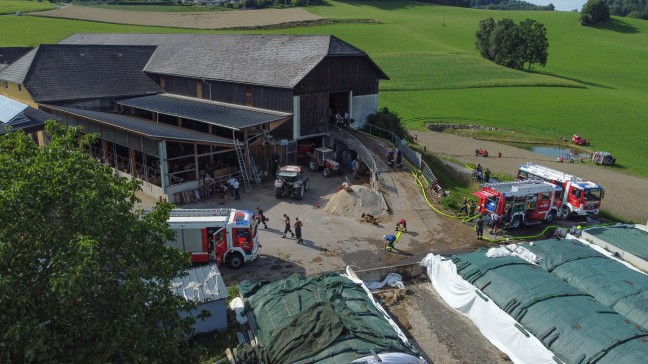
585 83
617 25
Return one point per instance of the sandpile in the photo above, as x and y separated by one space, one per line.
352 204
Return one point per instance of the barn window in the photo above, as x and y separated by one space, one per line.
199 90
19 87
163 83
248 97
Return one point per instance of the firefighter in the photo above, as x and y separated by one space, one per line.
464 207
479 228
401 225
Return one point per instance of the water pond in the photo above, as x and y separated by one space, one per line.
553 151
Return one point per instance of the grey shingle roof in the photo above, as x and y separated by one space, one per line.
9 55
145 127
202 284
226 115
56 72
269 60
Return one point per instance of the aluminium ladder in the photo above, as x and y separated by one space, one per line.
241 160
255 172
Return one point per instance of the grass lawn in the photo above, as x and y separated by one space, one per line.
593 85
23 6
163 8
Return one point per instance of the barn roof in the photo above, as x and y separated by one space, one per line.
268 60
56 72
216 113
140 126
15 115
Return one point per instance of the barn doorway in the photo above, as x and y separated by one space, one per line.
338 103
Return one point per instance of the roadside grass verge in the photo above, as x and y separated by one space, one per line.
13 6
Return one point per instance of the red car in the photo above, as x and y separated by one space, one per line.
578 140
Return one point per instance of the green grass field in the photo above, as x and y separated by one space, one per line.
24 6
164 8
593 85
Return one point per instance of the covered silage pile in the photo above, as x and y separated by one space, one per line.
613 284
571 323
322 319
626 237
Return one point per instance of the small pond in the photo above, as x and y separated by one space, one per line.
553 151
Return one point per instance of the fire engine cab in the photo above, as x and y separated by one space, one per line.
581 197
520 202
215 235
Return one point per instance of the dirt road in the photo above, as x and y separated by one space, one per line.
202 20
625 195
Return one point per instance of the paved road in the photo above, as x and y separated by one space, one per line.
625 195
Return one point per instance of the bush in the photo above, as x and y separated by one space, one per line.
387 119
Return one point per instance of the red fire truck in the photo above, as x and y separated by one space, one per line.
215 235
581 197
521 202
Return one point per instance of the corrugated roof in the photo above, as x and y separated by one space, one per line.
56 72
201 284
216 113
270 60
9 108
148 128
18 116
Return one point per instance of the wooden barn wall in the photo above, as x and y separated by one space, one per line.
314 113
270 98
336 74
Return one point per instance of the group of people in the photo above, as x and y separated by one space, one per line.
481 152
481 176
298 229
210 186
391 239
495 221
398 155
468 206
342 120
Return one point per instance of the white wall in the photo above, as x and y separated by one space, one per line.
296 117
362 106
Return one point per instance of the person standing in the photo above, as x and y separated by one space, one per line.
464 207
495 222
473 207
235 186
487 175
399 159
230 182
298 231
479 228
261 219
287 229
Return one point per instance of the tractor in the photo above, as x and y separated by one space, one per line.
322 159
291 183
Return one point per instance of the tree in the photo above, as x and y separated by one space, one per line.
594 12
513 45
83 278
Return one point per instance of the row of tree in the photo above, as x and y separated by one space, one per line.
508 5
513 45
629 8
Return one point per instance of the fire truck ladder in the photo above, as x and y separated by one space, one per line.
199 212
241 160
254 172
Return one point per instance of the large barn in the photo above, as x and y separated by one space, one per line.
171 109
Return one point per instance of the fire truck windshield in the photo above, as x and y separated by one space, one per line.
593 194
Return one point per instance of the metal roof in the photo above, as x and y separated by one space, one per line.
15 115
216 113
145 127
9 108
202 284
269 60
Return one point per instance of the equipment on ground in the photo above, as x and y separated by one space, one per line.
578 140
604 158
323 159
290 183
520 202
215 235
581 197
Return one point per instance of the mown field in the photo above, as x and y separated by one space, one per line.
13 6
593 85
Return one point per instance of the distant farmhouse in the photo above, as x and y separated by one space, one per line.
171 109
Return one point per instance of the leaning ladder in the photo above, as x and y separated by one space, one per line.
255 172
241 159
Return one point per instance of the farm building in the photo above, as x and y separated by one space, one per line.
330 318
205 286
15 115
564 302
171 109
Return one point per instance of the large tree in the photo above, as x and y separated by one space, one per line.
513 45
83 278
594 12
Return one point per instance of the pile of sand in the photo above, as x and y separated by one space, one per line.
353 204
